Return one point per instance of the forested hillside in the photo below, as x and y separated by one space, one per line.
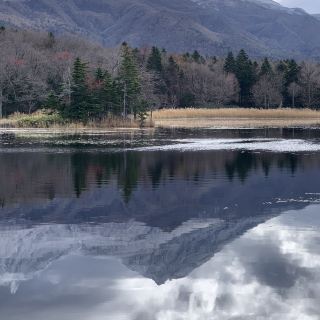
259 26
83 80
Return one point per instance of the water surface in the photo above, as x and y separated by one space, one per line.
184 224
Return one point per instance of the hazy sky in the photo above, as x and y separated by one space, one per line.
312 6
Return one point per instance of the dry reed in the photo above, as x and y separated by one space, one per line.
235 118
41 119
236 113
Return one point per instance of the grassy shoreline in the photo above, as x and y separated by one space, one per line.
53 121
235 118
170 118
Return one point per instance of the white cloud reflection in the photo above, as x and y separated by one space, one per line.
272 272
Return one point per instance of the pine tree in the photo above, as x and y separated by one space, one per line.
51 40
83 103
155 60
245 72
99 75
230 63
291 73
97 93
79 91
266 68
110 96
172 79
53 102
196 56
129 81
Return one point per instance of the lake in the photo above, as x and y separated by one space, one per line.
164 224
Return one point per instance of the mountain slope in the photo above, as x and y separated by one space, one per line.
211 26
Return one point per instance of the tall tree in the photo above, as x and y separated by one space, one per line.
79 91
129 81
230 63
110 95
196 56
266 68
245 72
172 79
155 60
83 105
291 76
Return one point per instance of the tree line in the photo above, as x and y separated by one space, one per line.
83 80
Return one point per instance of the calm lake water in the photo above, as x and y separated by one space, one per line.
162 225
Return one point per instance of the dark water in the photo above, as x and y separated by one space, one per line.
148 225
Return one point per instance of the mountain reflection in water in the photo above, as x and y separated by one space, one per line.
159 235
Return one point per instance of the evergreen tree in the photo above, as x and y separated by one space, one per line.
245 72
142 109
155 60
110 95
196 56
230 63
291 73
129 81
79 91
99 75
172 80
266 68
51 40
83 105
53 102
97 93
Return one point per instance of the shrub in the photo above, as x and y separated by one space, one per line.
38 120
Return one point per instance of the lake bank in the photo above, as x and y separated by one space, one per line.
53 121
235 118
232 118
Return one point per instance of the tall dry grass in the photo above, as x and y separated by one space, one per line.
235 118
236 113
42 119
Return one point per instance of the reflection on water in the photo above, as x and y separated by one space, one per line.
120 234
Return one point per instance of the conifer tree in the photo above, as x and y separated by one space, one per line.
291 72
266 68
129 81
110 95
172 77
245 72
99 76
230 63
51 40
155 60
53 102
83 105
79 92
196 56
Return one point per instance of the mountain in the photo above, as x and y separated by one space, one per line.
317 16
165 240
262 27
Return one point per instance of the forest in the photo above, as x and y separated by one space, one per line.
82 80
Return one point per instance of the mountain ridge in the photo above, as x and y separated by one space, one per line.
262 27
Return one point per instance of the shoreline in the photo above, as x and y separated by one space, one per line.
220 123
223 118
235 118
